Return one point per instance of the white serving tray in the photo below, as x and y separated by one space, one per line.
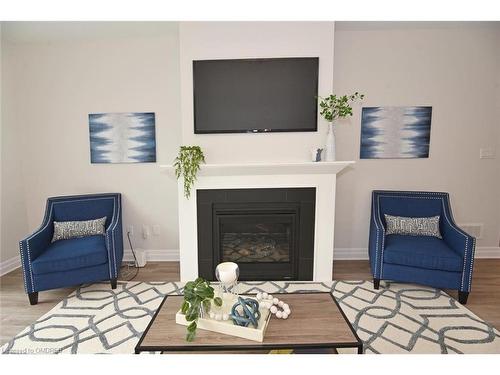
227 327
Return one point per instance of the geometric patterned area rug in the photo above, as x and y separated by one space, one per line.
397 318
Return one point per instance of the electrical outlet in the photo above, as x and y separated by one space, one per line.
145 231
156 230
130 229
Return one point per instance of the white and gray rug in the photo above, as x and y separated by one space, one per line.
398 318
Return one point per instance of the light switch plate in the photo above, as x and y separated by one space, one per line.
487 153
145 231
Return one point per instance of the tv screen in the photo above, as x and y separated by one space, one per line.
255 95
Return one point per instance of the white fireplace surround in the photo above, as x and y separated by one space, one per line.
321 175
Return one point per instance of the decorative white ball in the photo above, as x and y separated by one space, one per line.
274 309
281 303
265 295
286 307
275 300
225 317
258 295
279 314
269 296
287 311
284 315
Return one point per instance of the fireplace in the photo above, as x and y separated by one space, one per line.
269 233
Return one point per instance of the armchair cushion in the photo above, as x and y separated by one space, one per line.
75 253
422 252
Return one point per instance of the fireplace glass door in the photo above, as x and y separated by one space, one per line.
261 242
256 238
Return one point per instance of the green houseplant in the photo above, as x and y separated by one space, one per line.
332 108
187 164
198 297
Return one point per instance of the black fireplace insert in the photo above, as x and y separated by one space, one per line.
269 233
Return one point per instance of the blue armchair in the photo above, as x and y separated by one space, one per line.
74 261
441 263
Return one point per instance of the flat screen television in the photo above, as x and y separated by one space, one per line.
255 95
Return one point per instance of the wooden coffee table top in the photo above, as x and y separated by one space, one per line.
316 322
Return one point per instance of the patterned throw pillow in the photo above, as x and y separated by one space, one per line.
413 226
64 230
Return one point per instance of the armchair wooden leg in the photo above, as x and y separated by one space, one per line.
462 297
33 297
113 283
376 283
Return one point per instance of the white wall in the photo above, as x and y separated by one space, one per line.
219 40
54 84
455 69
1 132
55 74
14 220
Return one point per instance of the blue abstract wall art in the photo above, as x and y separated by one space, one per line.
395 132
122 137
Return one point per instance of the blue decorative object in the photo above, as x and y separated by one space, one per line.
395 132
74 261
318 154
122 138
250 312
442 263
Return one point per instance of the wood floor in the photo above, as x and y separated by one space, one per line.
16 313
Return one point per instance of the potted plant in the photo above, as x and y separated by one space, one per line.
332 108
198 297
187 164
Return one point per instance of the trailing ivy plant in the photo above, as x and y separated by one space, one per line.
198 295
187 164
333 107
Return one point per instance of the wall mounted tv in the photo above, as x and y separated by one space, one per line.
255 95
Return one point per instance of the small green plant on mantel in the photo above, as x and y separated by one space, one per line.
198 295
187 164
333 107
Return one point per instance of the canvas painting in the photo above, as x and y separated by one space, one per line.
395 132
122 137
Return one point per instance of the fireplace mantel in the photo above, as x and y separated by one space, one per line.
321 175
278 168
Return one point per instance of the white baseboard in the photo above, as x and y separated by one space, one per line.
362 253
172 255
167 255
353 253
155 255
488 252
10 265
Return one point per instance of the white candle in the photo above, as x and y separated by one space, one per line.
227 272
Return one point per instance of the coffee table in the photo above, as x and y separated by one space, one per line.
316 322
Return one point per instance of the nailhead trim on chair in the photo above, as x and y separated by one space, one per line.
451 223
41 229
117 204
381 266
472 262
22 264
